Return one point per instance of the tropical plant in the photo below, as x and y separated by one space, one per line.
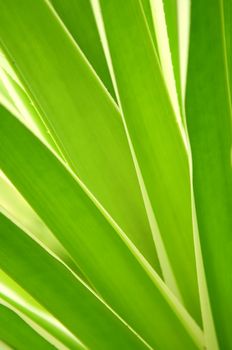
115 183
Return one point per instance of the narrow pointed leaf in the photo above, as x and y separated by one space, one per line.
171 16
157 141
209 124
6 100
18 334
183 15
164 15
37 316
75 305
79 20
77 110
117 273
148 14
20 211
28 113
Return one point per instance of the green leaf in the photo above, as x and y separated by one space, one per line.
20 212
119 274
156 141
79 20
6 100
171 16
209 124
81 116
5 65
27 112
166 27
227 17
19 335
36 316
183 17
148 14
70 301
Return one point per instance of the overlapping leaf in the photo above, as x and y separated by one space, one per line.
77 110
157 141
116 272
17 334
209 124
79 20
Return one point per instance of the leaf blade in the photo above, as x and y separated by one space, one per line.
93 137
16 333
159 148
114 270
94 324
209 126
84 31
